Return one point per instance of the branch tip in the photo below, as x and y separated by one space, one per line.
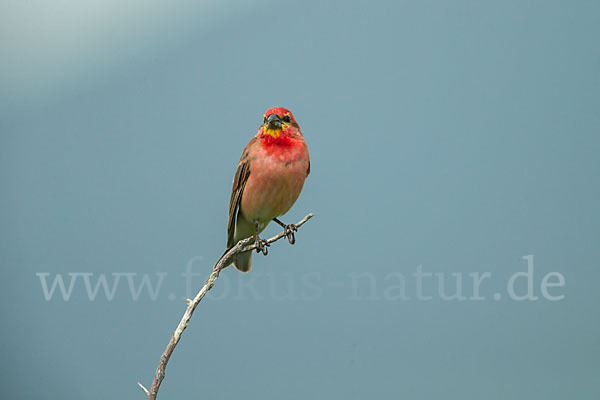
144 389
240 247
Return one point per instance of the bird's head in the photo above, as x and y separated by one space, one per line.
278 122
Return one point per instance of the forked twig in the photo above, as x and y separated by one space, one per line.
225 260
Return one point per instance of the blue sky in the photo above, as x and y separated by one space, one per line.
454 137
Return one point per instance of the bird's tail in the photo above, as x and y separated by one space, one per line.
241 261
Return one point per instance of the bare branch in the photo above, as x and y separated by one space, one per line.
144 389
225 260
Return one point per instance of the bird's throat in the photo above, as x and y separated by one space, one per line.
274 133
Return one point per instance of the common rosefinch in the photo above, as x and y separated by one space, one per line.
269 178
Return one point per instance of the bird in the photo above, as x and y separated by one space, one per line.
268 180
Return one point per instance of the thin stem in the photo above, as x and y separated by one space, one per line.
223 262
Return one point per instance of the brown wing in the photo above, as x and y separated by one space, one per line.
239 182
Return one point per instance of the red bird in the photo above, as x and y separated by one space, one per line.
269 179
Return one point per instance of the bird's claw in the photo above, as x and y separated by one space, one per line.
261 246
289 232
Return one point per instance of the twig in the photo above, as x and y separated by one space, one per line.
144 389
221 264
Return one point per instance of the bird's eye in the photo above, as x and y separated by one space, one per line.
287 119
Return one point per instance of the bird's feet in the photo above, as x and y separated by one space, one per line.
261 245
289 232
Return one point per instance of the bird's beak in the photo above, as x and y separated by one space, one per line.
273 122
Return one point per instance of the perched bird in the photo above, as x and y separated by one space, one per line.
268 180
